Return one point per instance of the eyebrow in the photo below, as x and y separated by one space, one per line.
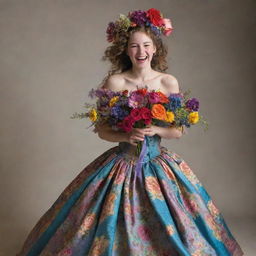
143 43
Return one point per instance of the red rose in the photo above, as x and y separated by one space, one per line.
135 114
145 113
147 121
142 91
125 92
126 124
155 17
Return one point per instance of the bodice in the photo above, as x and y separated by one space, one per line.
153 148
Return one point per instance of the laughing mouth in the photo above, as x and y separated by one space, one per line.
142 58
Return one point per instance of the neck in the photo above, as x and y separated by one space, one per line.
143 74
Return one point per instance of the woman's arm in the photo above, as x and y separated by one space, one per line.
105 132
166 132
169 132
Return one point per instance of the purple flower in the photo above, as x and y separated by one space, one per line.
102 92
111 31
138 17
118 112
153 97
192 104
92 93
98 93
155 30
123 101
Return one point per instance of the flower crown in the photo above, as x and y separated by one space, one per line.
151 18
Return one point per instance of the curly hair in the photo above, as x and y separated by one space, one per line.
120 61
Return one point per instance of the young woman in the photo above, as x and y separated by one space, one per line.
114 208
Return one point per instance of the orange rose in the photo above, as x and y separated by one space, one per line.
163 98
158 112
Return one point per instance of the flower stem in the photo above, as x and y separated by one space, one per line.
138 148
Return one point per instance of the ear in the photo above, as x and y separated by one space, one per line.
154 51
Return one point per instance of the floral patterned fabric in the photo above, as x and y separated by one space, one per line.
108 210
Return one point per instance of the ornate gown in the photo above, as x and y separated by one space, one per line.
124 205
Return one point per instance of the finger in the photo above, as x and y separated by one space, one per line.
137 138
140 132
134 142
137 129
141 136
147 132
148 129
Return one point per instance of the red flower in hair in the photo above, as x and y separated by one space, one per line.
155 17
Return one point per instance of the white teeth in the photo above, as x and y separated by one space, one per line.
142 58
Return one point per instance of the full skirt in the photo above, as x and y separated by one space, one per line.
107 210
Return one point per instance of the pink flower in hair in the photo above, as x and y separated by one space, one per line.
167 27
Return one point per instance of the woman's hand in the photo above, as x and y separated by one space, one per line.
135 135
152 130
138 134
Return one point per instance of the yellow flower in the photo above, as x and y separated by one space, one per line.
113 101
93 115
169 116
193 117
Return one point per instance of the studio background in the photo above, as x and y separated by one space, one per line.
50 57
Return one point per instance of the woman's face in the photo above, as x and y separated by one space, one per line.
140 49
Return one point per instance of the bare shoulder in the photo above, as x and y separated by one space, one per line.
114 82
170 83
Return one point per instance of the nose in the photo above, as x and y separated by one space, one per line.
141 49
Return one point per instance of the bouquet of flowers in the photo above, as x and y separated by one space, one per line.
125 110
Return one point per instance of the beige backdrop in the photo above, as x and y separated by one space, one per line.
51 57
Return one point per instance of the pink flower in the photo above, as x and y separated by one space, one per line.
136 100
144 232
153 97
167 27
65 252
